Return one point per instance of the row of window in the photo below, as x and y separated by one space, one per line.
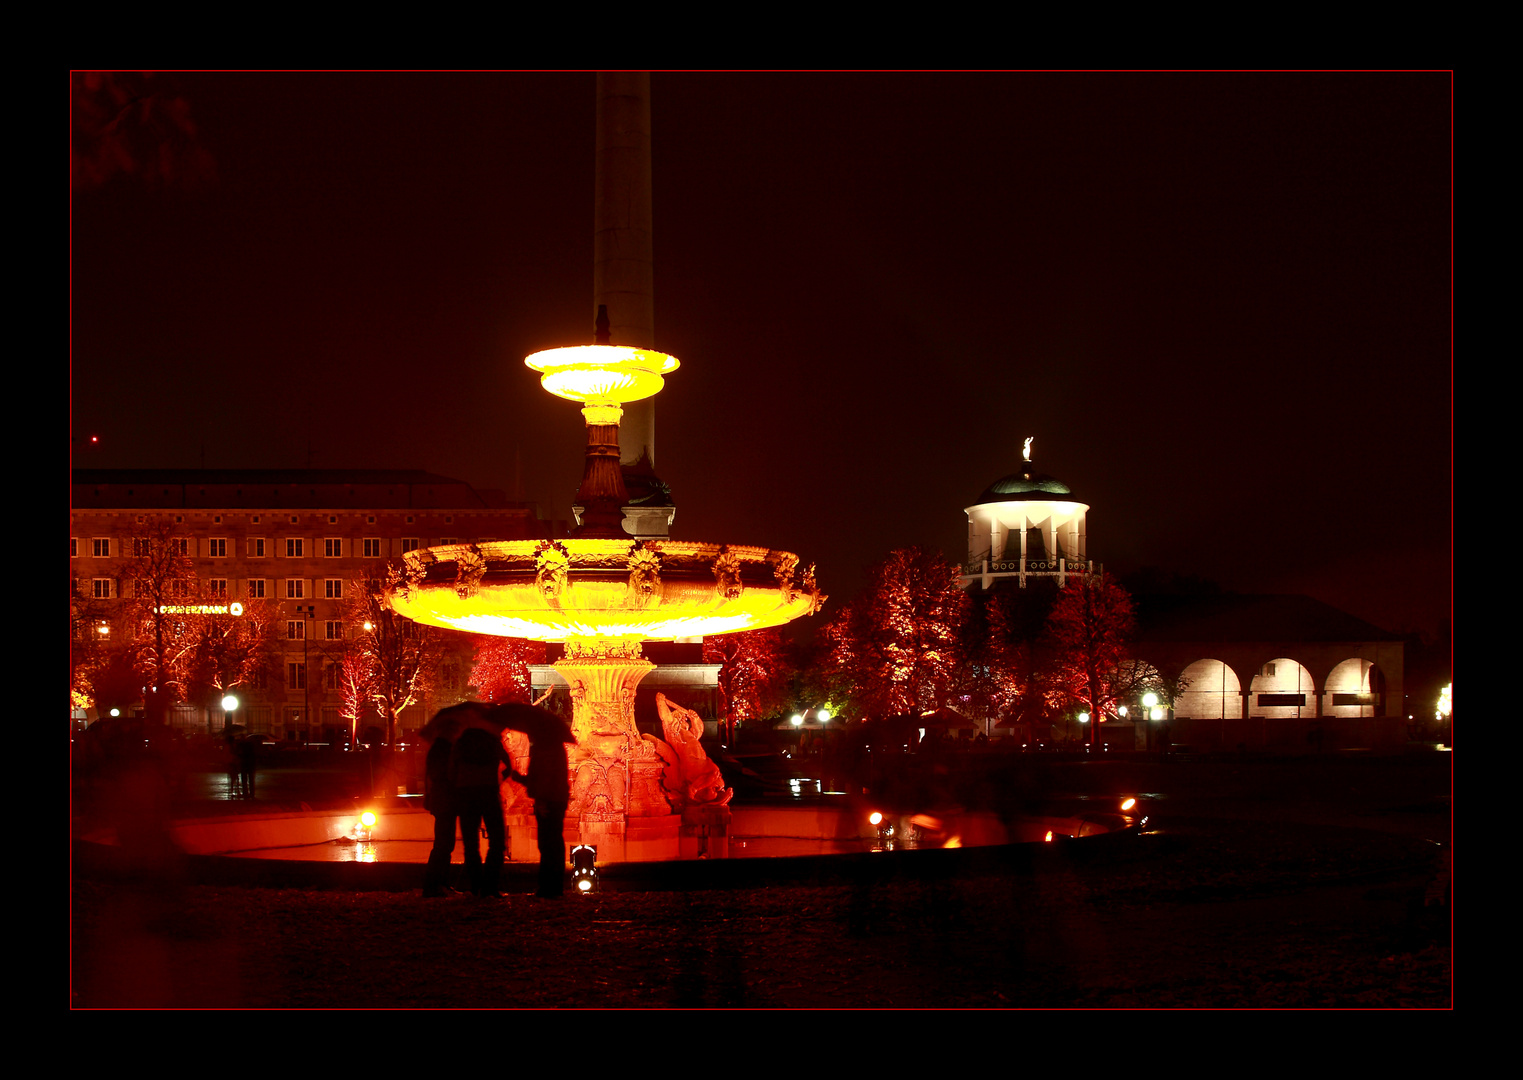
296 630
216 589
216 546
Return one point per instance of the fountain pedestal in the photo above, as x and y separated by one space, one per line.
617 797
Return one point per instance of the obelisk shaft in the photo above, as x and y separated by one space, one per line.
622 276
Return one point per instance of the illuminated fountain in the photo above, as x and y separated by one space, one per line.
601 594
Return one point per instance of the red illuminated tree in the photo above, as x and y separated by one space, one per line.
500 668
754 669
897 647
1087 639
229 649
400 657
163 626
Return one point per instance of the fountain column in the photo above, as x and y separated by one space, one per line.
617 798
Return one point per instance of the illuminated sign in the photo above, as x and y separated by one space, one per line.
234 608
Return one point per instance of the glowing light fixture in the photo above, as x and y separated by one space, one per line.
1150 699
584 870
1127 804
602 375
230 704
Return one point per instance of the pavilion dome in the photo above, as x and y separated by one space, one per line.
1028 485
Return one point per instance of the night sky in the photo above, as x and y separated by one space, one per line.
1221 303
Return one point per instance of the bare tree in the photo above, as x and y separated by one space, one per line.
161 605
400 658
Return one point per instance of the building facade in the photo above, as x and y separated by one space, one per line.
295 541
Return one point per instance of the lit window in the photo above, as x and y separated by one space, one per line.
294 588
255 590
216 548
101 588
102 547
372 547
333 548
296 629
334 588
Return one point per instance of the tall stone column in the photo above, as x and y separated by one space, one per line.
623 253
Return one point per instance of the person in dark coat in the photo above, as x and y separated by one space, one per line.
439 800
548 785
478 800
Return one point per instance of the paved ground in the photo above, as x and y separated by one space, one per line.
1265 884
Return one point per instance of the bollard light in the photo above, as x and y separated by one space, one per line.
584 870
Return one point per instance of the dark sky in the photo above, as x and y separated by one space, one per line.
1221 303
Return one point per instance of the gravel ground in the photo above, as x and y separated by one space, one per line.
1205 911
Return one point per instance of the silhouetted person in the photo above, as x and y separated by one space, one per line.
248 751
478 800
439 800
548 786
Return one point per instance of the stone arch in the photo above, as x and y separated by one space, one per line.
1282 690
1214 692
1355 687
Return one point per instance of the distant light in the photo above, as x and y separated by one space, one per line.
1150 699
1084 718
798 719
230 704
1122 711
824 716
875 817
1127 804
116 712
1048 837
367 819
1156 714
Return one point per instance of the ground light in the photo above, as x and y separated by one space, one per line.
363 826
584 871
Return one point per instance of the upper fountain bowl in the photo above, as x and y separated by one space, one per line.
602 374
